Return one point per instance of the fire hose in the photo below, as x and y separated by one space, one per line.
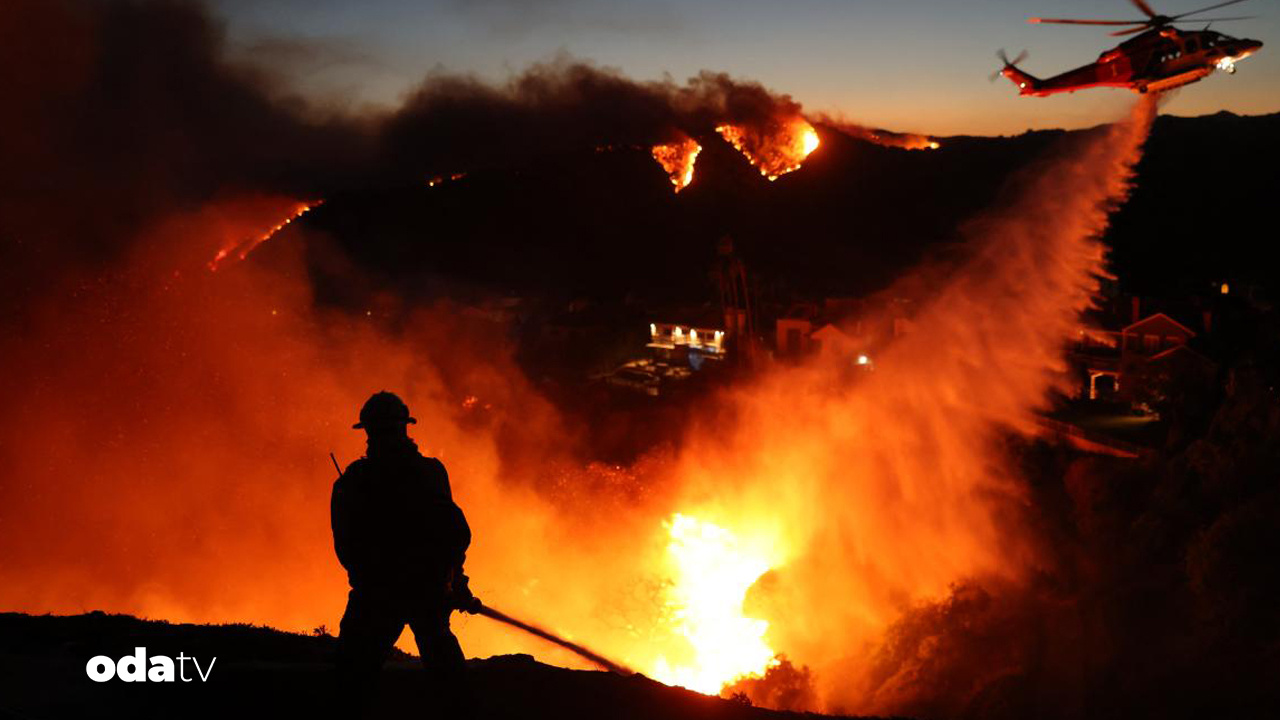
603 662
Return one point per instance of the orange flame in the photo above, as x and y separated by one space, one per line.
713 569
678 159
904 141
883 138
777 152
240 250
441 179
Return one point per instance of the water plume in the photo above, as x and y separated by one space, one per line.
884 489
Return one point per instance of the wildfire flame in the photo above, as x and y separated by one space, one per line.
678 159
884 138
713 570
241 250
904 141
774 153
441 179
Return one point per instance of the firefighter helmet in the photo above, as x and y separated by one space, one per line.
384 408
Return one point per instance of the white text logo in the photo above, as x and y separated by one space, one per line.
135 668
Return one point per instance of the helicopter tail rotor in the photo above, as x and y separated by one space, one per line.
1008 64
1027 84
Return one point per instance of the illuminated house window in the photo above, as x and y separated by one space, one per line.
668 336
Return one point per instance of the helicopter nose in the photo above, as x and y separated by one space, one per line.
1249 47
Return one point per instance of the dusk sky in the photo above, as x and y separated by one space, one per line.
900 64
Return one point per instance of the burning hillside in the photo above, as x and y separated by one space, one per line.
886 138
240 249
775 150
678 160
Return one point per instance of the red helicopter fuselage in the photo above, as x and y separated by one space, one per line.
1159 59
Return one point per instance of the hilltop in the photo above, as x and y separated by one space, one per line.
262 672
606 226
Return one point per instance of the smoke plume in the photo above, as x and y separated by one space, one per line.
888 491
455 123
131 114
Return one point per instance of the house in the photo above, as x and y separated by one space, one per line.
831 339
793 329
849 326
1153 335
686 344
1117 364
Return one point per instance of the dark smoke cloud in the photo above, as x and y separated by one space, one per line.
136 111
299 57
453 123
118 112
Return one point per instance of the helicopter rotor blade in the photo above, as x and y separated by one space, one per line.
1200 20
1130 31
1063 21
1205 9
1145 8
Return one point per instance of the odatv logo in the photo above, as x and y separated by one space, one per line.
133 668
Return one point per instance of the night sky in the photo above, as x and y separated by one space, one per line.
901 64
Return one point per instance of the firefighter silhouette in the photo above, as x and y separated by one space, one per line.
402 541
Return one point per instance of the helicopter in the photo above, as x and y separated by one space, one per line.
1160 57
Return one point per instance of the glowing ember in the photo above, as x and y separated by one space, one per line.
241 250
774 153
905 141
888 138
678 159
713 571
441 179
